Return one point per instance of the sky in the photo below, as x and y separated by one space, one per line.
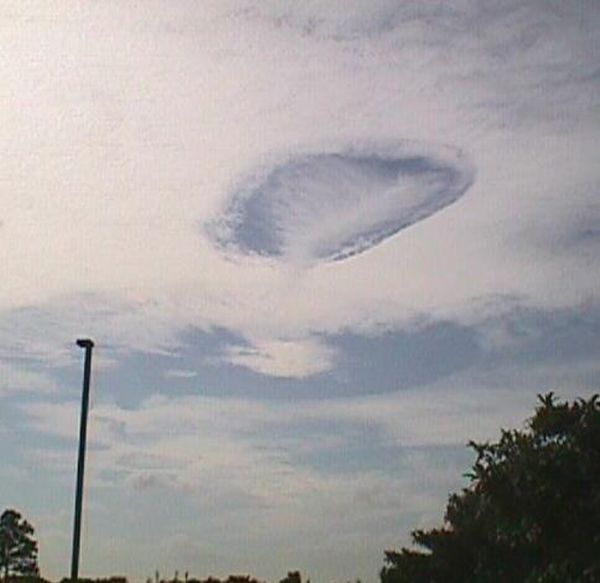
319 245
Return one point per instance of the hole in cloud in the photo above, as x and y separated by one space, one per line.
332 205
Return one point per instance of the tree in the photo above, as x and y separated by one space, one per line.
531 512
292 577
18 548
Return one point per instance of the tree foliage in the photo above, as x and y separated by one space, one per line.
292 577
531 512
18 548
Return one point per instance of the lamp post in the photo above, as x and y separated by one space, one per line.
87 345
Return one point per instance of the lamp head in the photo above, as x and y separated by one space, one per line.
84 343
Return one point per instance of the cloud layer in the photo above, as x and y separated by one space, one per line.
272 121
266 215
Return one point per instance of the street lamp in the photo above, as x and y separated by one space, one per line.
87 345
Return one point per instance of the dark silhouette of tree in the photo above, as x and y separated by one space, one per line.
530 514
112 579
210 579
292 577
240 579
18 548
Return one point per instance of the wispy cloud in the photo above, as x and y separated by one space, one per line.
112 192
176 373
16 380
301 470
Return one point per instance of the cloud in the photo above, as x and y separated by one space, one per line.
136 136
44 334
284 358
333 20
261 473
115 168
219 455
16 380
187 442
113 177
355 466
176 373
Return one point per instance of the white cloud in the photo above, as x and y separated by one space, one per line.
284 358
189 442
247 486
177 373
122 141
15 380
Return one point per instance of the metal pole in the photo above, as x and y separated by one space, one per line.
86 344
